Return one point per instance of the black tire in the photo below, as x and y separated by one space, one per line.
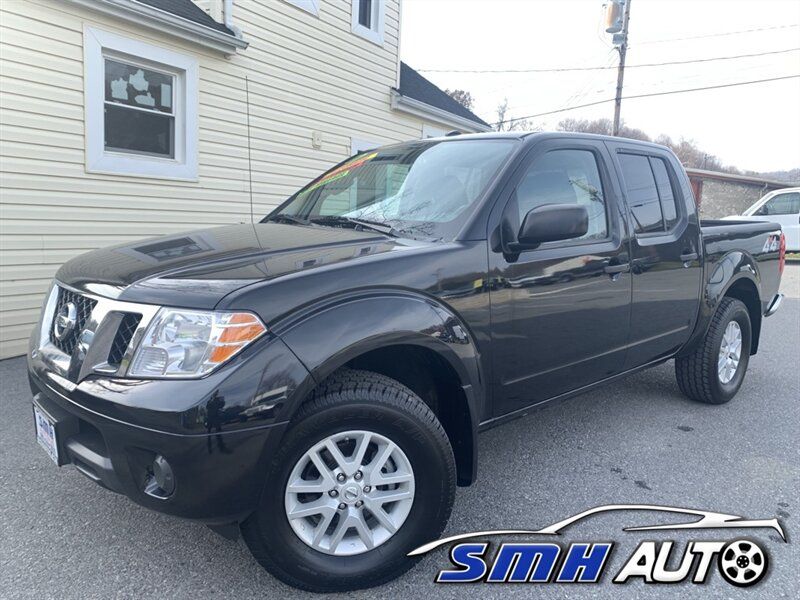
356 400
696 370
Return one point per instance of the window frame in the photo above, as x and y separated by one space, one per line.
374 34
309 6
609 195
773 198
100 45
677 194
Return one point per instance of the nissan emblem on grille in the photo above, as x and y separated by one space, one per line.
65 321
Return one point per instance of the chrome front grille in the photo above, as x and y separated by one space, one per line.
83 312
127 327
96 334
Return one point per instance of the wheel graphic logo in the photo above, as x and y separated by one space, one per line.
742 563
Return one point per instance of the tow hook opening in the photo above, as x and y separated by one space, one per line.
160 480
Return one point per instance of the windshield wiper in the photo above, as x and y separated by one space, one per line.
283 217
383 228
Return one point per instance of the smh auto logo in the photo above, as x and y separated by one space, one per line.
740 562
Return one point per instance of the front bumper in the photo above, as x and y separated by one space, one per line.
218 476
217 433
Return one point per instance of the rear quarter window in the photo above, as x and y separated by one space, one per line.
668 206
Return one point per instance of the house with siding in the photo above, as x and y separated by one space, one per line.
122 119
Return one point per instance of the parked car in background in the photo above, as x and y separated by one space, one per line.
782 207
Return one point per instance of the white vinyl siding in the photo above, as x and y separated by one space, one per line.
306 74
429 131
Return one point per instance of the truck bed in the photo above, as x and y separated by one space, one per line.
745 242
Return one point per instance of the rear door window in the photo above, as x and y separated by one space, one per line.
643 199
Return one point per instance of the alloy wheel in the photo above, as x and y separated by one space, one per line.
349 493
730 352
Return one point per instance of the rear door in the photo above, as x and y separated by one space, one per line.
665 251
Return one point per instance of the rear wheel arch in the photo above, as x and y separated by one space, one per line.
745 290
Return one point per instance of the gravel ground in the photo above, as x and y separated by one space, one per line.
636 441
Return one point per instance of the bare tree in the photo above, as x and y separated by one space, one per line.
687 151
463 97
505 122
603 127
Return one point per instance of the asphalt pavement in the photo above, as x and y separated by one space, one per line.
638 441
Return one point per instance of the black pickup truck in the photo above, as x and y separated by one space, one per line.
316 381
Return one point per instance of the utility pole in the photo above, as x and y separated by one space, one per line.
623 49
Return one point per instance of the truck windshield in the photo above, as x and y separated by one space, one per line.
420 189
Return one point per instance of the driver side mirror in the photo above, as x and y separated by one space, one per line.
549 223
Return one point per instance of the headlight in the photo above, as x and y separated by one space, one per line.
191 343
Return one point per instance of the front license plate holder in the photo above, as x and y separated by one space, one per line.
46 435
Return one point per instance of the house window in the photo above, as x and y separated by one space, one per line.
141 108
310 6
368 17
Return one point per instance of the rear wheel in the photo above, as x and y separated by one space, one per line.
364 475
714 370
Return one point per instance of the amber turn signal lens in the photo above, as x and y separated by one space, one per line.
239 330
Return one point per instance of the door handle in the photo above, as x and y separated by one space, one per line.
617 268
687 256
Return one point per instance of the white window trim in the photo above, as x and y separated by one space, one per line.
374 35
99 44
361 145
309 6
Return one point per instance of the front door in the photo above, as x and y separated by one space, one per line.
560 312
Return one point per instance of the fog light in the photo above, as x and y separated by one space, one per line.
161 483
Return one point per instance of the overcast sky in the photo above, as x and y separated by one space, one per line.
753 127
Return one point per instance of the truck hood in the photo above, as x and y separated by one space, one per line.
198 268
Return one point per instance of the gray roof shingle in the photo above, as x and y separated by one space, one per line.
189 11
414 85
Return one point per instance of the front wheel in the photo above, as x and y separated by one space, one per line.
364 475
714 370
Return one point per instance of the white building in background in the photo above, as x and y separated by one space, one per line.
121 119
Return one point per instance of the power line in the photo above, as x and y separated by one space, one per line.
608 68
698 89
720 34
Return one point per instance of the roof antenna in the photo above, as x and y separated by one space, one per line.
249 159
452 133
